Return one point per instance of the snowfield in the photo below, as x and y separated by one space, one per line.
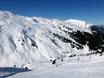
69 70
36 47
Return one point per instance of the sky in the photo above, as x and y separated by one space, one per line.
91 11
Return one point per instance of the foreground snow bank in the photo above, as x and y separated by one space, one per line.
79 70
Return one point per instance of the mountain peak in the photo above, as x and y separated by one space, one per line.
80 23
5 13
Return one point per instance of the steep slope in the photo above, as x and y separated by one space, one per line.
27 40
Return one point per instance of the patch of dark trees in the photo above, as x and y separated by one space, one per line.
66 40
94 40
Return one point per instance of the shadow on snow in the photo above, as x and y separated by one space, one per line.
9 71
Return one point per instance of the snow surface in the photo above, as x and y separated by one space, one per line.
92 69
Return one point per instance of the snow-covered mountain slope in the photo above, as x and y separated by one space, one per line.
27 40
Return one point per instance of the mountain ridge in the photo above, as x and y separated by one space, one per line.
28 40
